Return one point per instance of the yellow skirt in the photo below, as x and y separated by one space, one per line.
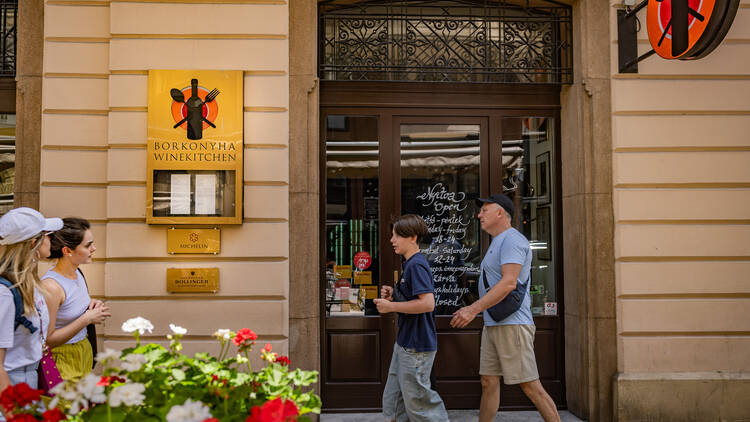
74 361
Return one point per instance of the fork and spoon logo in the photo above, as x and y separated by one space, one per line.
197 112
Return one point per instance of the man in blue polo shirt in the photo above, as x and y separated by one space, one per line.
507 348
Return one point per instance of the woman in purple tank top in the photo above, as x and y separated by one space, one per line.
71 309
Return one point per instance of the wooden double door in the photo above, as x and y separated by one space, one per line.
431 150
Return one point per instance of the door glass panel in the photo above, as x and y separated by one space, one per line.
529 179
352 203
439 182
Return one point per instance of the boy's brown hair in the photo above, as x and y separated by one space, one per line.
410 225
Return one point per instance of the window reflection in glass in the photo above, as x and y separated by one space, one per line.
352 203
439 182
7 161
528 179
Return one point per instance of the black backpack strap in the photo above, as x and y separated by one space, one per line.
18 303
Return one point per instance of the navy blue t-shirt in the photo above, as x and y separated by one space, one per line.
416 331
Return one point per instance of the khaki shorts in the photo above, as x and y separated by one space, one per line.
508 351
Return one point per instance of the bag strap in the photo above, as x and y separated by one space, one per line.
91 328
484 274
84 279
20 319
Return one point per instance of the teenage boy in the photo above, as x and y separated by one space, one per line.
407 395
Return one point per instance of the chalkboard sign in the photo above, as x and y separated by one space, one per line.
452 247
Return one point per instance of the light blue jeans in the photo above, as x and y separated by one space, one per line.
407 395
25 374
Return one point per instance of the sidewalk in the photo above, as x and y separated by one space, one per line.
455 416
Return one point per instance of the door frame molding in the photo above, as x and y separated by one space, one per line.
399 101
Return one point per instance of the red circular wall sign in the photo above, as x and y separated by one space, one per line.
362 260
688 29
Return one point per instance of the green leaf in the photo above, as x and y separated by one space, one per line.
178 374
99 414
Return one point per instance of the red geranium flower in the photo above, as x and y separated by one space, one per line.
211 420
243 336
107 381
26 395
19 395
283 360
7 399
276 410
54 415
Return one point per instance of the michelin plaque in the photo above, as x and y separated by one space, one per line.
193 241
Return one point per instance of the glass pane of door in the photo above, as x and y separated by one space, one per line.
439 182
352 203
529 179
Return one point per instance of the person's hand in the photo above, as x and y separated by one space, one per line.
384 305
95 303
386 292
463 316
97 315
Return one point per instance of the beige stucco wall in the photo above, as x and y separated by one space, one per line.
682 207
93 164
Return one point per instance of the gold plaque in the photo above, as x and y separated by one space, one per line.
193 241
192 280
342 271
363 277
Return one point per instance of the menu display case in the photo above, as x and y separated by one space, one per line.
195 147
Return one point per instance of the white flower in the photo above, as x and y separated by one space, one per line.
137 324
190 411
133 362
77 405
87 388
223 334
58 389
128 394
69 395
177 329
108 355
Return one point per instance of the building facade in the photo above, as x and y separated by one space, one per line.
634 186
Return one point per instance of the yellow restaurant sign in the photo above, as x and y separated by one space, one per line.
193 241
192 280
195 147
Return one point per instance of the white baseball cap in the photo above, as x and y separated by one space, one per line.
23 223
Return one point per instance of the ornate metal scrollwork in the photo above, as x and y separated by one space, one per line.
8 19
457 41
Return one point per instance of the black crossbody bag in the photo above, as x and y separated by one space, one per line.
507 306
510 304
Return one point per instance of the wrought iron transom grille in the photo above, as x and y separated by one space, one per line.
521 41
8 19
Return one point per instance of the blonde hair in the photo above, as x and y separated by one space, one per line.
18 265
